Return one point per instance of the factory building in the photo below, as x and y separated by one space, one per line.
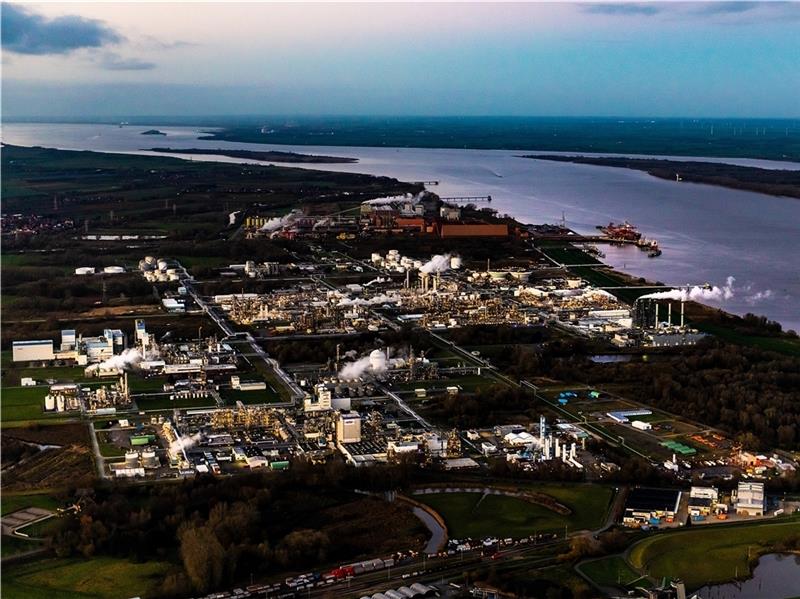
451 230
750 500
649 506
33 351
703 501
348 428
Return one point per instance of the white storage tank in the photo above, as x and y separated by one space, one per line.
114 270
132 459
149 459
49 403
162 265
84 270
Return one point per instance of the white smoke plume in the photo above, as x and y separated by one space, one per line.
697 293
278 222
183 443
375 363
350 353
129 359
232 218
759 296
372 301
439 263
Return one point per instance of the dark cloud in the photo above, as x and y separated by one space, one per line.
25 32
112 61
726 8
622 8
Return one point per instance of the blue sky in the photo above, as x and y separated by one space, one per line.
552 59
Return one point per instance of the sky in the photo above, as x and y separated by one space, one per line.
659 59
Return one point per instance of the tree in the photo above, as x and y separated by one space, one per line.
203 557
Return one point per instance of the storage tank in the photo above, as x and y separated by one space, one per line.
49 403
114 270
376 258
455 262
149 259
149 459
162 265
132 459
60 403
377 360
84 270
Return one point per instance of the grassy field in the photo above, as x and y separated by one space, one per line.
163 402
13 502
782 345
589 503
612 571
476 516
467 515
268 395
686 554
23 404
73 578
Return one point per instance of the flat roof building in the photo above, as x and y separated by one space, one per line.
32 351
750 500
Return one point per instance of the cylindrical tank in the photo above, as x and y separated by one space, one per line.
149 459
132 459
113 270
84 270
162 265
49 403
377 360
455 262
150 259
60 403
376 258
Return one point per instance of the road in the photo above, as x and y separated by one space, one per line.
219 319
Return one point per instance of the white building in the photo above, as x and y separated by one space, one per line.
348 428
32 351
750 499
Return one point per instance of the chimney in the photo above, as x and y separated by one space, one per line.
669 313
656 316
682 308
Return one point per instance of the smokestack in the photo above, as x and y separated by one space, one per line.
682 308
669 313
656 316
408 279
436 282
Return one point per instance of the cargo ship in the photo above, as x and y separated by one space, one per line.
621 232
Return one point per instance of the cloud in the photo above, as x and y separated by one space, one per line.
726 8
622 8
112 61
25 32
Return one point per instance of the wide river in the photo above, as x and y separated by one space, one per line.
707 233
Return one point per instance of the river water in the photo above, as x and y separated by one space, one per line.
775 577
707 233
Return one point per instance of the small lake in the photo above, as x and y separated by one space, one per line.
777 576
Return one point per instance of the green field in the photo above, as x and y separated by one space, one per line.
24 404
98 578
231 396
687 554
12 503
473 515
784 345
162 401
612 571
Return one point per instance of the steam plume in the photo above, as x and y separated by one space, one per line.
129 359
698 294
439 263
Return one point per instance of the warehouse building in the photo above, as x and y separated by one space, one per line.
650 506
750 499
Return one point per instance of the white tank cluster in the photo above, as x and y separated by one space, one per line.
157 270
108 270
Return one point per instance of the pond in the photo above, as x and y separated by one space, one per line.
777 576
